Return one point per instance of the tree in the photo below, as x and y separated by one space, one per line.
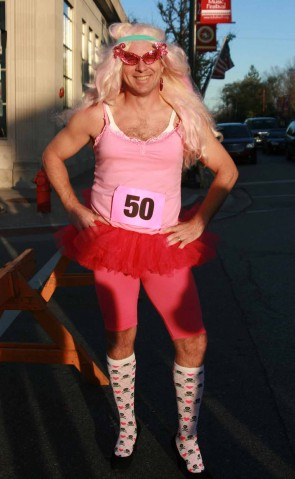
176 15
272 95
289 88
252 94
273 88
243 99
253 75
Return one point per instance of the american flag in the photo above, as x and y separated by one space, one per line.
223 63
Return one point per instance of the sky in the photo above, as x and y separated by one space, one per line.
265 36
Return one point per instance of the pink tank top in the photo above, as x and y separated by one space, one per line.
137 184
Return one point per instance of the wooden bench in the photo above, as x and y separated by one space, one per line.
18 294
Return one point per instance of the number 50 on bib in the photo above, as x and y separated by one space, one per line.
137 207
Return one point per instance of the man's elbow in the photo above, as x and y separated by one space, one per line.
235 174
49 158
230 176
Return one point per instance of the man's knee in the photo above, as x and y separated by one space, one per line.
120 344
191 351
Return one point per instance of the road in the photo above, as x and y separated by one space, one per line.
56 426
258 258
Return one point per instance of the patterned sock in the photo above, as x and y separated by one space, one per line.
189 385
122 376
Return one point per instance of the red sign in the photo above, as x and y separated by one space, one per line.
215 11
206 38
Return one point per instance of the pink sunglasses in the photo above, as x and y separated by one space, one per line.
148 58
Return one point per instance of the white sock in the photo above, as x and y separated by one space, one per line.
189 385
122 376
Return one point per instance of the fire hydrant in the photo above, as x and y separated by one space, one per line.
43 190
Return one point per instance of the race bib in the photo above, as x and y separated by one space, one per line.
136 207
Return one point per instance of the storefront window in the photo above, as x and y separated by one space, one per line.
3 126
68 55
84 56
96 50
90 55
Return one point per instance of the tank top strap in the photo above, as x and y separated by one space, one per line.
170 126
172 119
105 114
109 117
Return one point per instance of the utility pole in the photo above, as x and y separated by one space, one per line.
193 36
194 10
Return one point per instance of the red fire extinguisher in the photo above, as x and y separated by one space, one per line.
43 190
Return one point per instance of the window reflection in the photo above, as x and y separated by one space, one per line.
3 126
68 54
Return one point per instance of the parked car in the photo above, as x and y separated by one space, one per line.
274 141
238 141
260 126
290 141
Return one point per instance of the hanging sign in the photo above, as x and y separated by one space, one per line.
215 11
206 38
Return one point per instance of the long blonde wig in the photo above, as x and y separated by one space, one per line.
178 90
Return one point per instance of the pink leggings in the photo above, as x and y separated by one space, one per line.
174 296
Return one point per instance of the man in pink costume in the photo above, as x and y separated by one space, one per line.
146 123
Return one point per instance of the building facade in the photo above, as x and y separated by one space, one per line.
47 53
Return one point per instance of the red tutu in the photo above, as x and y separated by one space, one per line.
133 253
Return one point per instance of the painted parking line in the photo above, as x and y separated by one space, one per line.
270 210
264 182
290 195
